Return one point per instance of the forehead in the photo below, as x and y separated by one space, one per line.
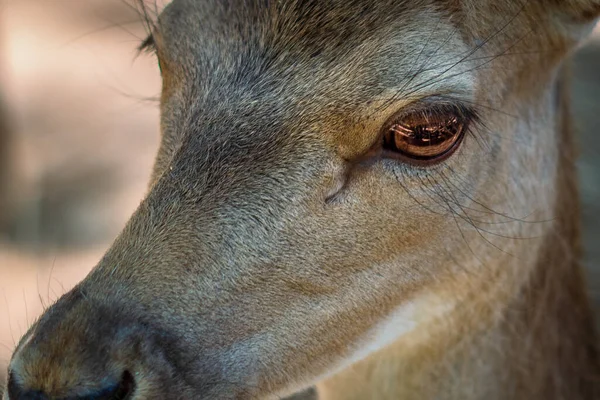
351 50
310 23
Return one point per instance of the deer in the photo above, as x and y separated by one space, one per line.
374 199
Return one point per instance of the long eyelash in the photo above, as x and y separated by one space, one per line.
468 112
472 116
150 20
148 45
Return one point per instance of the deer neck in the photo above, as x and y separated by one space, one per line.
541 344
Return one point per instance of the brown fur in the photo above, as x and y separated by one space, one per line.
542 345
275 251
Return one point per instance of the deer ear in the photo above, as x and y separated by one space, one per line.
573 20
578 11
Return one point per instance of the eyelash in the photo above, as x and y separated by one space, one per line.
149 46
431 108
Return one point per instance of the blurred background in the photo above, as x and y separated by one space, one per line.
78 135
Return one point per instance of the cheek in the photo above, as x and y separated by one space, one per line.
409 224
389 211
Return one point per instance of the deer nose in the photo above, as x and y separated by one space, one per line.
122 390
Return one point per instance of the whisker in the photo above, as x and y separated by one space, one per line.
477 105
403 186
26 308
64 290
470 52
104 28
37 283
465 217
9 318
515 219
441 77
4 345
423 65
50 277
464 238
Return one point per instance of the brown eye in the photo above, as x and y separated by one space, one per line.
426 136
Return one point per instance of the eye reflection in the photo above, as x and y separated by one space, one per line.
425 136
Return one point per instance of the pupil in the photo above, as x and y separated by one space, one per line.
426 135
425 140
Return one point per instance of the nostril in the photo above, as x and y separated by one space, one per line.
16 392
121 391
126 387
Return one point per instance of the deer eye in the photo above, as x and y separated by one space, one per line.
426 136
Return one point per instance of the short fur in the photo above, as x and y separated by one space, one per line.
271 253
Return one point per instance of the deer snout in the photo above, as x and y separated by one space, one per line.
66 356
121 390
82 349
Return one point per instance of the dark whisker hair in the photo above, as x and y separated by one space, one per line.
422 68
109 25
442 76
12 335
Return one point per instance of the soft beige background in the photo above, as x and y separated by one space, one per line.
84 139
85 134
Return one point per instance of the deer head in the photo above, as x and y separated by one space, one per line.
334 178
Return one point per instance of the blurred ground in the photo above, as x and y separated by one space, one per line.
85 134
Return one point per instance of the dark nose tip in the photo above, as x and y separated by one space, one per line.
123 390
16 392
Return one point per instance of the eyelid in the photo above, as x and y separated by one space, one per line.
432 106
